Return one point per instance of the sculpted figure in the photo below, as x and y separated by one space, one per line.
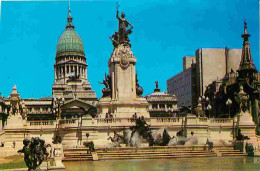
143 130
34 152
115 39
90 145
108 86
27 153
123 24
56 139
139 89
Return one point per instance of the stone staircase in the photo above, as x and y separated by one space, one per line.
138 153
227 151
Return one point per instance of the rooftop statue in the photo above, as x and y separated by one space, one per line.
121 37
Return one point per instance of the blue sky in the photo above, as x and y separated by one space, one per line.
164 32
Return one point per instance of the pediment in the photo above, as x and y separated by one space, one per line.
77 103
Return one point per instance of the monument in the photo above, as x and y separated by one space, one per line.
122 95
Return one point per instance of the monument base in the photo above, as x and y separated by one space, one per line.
248 127
123 109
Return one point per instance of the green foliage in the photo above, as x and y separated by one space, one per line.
258 130
15 162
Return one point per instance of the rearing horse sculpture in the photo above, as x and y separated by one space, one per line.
143 129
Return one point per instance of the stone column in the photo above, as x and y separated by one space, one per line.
66 70
79 71
58 72
61 72
55 72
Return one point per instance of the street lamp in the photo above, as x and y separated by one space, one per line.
203 104
208 108
58 102
229 103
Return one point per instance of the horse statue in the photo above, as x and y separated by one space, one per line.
118 139
143 129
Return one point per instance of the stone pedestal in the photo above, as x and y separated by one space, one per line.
58 155
198 126
94 156
123 101
247 126
123 109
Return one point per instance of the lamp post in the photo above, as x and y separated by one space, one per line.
59 101
203 104
229 103
208 108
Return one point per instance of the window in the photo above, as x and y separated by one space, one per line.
161 106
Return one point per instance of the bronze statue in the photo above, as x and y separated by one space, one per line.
210 144
143 130
139 89
57 138
121 37
27 153
123 24
115 39
90 145
34 152
107 91
156 84
117 138
241 137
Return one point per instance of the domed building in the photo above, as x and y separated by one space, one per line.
71 86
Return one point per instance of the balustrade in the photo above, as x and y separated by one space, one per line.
40 123
155 121
68 122
221 120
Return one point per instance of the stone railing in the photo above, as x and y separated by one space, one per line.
42 124
68 123
125 122
209 121
109 120
113 122
158 110
39 112
221 121
166 121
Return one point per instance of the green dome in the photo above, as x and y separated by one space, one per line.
69 40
